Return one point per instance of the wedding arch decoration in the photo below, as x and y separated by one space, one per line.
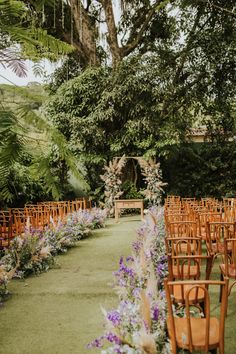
113 183
153 177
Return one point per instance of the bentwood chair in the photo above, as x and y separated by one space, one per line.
5 229
192 331
217 232
228 267
181 229
191 267
177 246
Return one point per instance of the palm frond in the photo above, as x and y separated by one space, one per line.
38 70
11 150
41 168
48 42
10 58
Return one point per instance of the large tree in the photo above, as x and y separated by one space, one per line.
104 29
181 71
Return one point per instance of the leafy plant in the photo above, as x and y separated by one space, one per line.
130 191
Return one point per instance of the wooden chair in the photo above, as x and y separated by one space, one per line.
196 332
228 267
230 213
203 218
18 220
181 229
216 233
5 229
177 246
186 268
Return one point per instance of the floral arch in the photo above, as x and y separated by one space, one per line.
151 171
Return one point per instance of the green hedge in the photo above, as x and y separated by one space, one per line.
203 169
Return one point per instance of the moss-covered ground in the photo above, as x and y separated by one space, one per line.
59 312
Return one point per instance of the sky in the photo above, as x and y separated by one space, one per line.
8 77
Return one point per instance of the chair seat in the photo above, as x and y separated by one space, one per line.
231 270
198 326
177 292
188 272
184 248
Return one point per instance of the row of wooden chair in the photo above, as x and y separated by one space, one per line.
39 216
189 225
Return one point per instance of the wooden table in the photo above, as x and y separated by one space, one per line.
128 204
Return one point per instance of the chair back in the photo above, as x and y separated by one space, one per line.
230 257
216 233
5 229
190 267
184 332
182 229
177 246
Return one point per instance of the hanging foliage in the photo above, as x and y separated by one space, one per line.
112 179
153 179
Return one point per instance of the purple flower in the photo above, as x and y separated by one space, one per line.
136 246
97 343
129 258
111 337
155 314
141 231
118 350
160 269
127 270
114 317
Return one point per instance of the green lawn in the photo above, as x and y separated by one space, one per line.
59 312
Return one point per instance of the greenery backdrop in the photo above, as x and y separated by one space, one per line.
136 77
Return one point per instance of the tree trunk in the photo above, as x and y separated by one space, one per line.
87 32
112 32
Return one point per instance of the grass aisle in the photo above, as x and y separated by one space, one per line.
59 312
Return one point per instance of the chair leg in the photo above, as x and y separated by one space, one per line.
222 347
221 278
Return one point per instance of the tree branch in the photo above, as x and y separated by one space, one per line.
223 9
134 42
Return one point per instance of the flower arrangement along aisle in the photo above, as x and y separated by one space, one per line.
35 251
138 324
